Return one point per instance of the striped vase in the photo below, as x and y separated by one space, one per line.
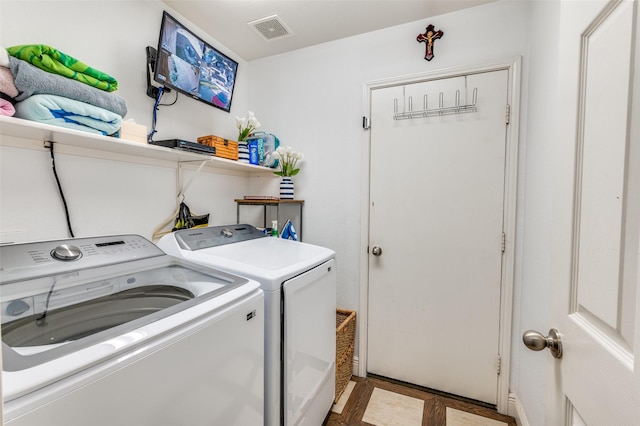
286 188
243 152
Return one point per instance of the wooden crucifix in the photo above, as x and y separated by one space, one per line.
428 38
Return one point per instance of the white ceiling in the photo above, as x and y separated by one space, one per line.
311 21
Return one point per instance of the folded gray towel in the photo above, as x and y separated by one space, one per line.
31 80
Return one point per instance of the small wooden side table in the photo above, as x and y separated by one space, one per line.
271 203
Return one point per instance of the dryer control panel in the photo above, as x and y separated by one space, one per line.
201 238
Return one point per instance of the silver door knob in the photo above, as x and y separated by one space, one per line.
376 251
537 342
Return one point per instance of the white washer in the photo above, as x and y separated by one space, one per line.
112 331
299 282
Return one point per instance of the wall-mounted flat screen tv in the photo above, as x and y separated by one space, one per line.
189 65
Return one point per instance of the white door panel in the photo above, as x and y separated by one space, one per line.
597 218
437 203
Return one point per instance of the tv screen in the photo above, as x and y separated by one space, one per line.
187 64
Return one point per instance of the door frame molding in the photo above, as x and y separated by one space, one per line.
513 66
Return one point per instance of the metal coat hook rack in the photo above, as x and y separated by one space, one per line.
441 110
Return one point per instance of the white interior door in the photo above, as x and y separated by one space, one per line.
437 213
597 218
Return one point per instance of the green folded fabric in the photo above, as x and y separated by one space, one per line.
52 60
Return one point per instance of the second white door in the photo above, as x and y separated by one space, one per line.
436 222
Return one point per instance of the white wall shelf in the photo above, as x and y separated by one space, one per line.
35 134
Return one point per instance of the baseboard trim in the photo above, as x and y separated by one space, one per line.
356 366
516 410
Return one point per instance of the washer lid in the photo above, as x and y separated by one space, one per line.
53 326
50 317
63 296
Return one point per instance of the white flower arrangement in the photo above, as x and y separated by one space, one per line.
246 126
287 161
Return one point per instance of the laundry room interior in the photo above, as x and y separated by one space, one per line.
361 193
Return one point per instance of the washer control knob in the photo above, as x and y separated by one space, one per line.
226 232
66 252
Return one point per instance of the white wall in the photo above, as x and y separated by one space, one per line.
533 291
107 196
313 97
313 100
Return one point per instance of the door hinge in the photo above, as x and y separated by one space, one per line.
503 242
499 364
508 114
365 123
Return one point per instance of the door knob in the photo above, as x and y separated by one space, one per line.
537 342
376 251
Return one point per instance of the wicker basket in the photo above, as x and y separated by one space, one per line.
345 337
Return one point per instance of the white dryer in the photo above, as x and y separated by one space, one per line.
299 282
112 331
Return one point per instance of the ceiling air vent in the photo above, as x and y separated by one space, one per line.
271 27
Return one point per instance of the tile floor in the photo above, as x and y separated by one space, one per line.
375 401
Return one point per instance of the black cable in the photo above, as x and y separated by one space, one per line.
174 101
42 319
64 202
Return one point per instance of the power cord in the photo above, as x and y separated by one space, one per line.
155 114
64 201
161 91
174 101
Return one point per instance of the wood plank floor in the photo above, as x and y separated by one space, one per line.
434 411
